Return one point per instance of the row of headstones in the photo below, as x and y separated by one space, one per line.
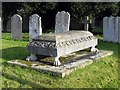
111 29
61 25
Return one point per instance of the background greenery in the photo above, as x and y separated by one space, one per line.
100 74
48 10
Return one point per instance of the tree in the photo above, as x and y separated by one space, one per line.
48 10
9 9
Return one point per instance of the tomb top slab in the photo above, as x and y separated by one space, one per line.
63 36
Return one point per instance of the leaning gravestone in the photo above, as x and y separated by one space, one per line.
16 27
62 22
35 28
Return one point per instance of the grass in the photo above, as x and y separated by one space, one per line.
100 74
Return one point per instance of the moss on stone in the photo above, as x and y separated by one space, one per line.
28 63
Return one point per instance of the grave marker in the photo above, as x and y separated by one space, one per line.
16 27
35 28
62 22
105 28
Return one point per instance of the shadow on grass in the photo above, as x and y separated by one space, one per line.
26 39
21 81
14 53
7 36
103 45
21 53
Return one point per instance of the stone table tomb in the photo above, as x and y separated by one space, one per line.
60 44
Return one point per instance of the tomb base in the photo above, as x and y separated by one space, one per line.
67 67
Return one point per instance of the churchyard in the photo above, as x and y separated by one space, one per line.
102 73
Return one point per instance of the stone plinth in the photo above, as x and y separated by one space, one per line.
60 44
78 61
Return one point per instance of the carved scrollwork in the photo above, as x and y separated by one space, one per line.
43 44
49 44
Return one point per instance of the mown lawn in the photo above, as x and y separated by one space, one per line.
100 74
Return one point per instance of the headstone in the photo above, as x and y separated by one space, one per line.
62 22
0 27
105 29
35 28
111 29
116 29
119 29
111 23
16 27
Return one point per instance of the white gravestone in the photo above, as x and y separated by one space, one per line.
16 27
35 29
0 27
116 30
119 29
105 29
111 28
62 22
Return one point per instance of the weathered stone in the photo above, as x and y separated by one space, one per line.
16 27
62 22
0 27
119 29
60 44
35 28
116 29
105 28
111 23
111 29
79 61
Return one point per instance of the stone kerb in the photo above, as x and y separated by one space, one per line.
16 27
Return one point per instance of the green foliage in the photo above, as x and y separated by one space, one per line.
48 10
39 8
